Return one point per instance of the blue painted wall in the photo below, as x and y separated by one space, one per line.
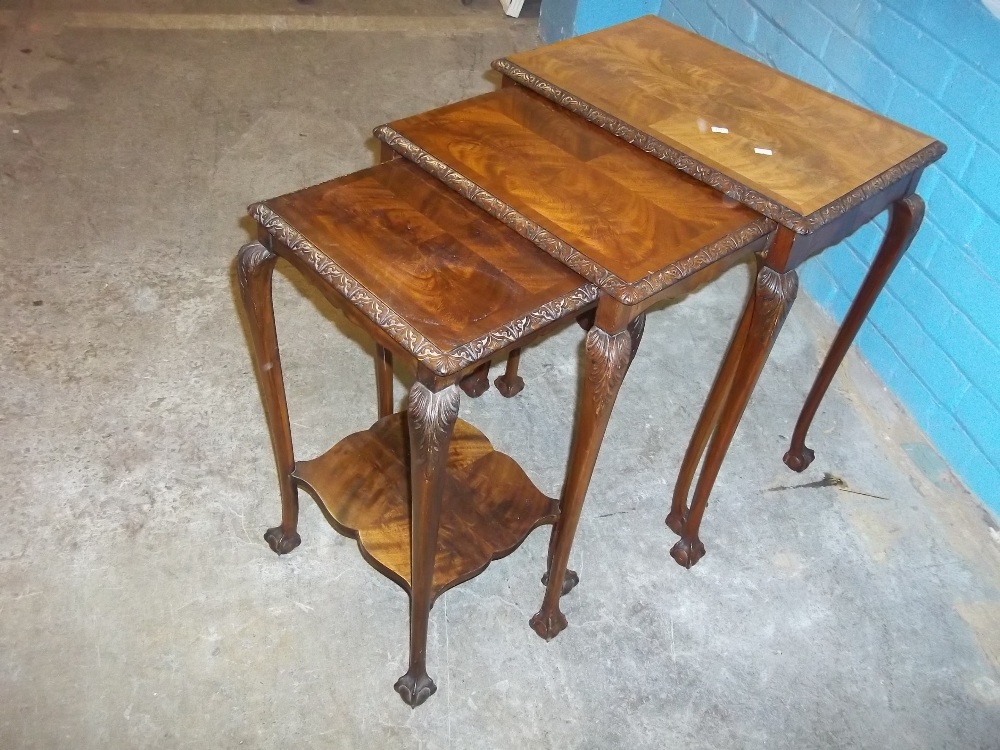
563 18
934 335
556 19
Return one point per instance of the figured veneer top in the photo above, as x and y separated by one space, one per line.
792 151
618 216
443 278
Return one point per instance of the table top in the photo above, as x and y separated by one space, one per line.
795 153
441 277
616 215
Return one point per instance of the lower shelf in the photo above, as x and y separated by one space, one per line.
489 506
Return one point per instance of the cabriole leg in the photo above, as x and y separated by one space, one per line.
774 294
635 330
254 267
709 418
607 360
431 418
905 218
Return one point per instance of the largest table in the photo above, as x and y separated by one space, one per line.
818 166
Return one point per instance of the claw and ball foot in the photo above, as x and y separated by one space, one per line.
476 384
281 542
476 388
414 689
799 459
774 293
687 552
569 581
548 626
510 383
675 522
608 358
509 387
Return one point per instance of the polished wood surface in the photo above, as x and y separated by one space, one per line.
442 287
438 257
488 504
794 144
449 272
816 164
618 216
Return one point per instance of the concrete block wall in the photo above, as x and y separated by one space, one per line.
934 335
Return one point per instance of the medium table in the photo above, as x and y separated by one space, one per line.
641 231
817 165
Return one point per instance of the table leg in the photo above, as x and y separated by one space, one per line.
905 218
774 294
570 578
383 380
635 330
254 267
709 416
510 383
476 383
431 418
608 356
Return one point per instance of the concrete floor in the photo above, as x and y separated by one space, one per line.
139 606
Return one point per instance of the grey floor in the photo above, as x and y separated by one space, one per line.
856 605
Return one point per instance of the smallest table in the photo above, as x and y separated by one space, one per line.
444 287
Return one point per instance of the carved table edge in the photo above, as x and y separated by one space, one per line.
712 177
702 258
438 361
629 293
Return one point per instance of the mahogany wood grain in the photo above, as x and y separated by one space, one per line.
640 231
437 261
820 166
715 112
488 504
616 215
443 286
442 265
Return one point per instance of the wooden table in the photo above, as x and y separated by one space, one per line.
817 165
768 170
443 287
641 231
